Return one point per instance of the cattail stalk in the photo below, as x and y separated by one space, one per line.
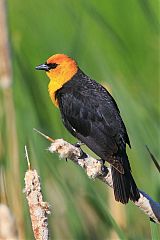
93 169
37 207
9 151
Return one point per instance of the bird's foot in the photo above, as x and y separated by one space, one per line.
82 154
104 169
78 144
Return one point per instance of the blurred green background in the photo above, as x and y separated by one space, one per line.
114 42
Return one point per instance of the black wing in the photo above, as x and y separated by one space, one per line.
91 115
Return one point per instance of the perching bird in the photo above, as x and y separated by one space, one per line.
91 114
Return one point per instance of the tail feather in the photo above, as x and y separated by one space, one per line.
124 185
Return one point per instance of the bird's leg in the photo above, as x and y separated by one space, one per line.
103 168
82 154
78 145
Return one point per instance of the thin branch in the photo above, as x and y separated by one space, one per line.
37 207
45 136
93 169
27 157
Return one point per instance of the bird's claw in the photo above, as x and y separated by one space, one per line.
104 169
82 154
78 144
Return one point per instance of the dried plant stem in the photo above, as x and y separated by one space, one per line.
9 151
7 224
93 168
37 207
5 69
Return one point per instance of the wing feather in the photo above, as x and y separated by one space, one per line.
92 121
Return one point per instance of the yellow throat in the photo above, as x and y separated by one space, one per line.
65 70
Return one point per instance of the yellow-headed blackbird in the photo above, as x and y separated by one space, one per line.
91 114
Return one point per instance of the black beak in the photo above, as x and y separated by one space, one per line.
43 67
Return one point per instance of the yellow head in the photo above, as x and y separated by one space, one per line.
60 69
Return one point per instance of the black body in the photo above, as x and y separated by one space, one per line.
91 114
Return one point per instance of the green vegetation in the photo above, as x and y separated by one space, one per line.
114 42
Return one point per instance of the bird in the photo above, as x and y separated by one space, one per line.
91 114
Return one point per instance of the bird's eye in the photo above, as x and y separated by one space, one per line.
52 65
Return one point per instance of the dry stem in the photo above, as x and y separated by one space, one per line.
7 115
37 207
93 169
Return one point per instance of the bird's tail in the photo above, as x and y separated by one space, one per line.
124 185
